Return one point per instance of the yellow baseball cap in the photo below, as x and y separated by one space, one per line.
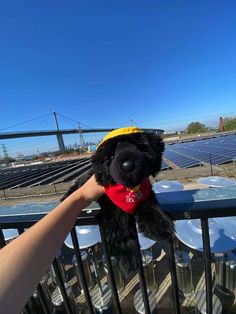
121 131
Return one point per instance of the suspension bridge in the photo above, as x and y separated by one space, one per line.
59 132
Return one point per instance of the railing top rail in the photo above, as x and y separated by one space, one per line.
190 204
199 203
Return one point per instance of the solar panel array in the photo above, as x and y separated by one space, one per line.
218 150
43 174
180 160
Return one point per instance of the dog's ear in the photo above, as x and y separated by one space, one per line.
101 162
155 151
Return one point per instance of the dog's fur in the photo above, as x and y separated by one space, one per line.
145 150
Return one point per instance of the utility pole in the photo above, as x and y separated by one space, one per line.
221 125
60 140
4 149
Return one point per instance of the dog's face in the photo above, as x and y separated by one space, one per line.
128 166
128 159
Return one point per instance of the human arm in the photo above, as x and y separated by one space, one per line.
27 258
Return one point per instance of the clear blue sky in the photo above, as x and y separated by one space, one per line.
162 63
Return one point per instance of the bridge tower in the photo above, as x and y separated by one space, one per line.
60 140
82 142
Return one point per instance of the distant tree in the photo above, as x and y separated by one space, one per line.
7 160
229 124
196 127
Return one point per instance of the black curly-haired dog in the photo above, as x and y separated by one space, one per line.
122 164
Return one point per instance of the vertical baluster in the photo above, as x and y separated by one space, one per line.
81 268
143 285
33 306
21 230
27 309
172 263
43 300
207 263
61 286
2 240
110 270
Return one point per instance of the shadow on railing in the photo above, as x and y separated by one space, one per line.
84 278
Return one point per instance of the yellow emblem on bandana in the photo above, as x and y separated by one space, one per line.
135 189
121 131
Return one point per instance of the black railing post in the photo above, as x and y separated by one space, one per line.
27 309
43 300
20 230
142 279
207 263
61 286
2 240
110 270
81 268
33 308
171 257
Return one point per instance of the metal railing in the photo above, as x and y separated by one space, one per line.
194 204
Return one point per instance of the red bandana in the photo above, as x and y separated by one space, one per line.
128 199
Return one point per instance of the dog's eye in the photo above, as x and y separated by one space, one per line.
108 160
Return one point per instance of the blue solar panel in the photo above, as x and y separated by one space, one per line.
165 166
215 150
180 160
221 147
215 159
223 151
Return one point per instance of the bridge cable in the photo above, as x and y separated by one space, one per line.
89 127
24 122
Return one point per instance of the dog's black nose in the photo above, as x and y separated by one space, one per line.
128 165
